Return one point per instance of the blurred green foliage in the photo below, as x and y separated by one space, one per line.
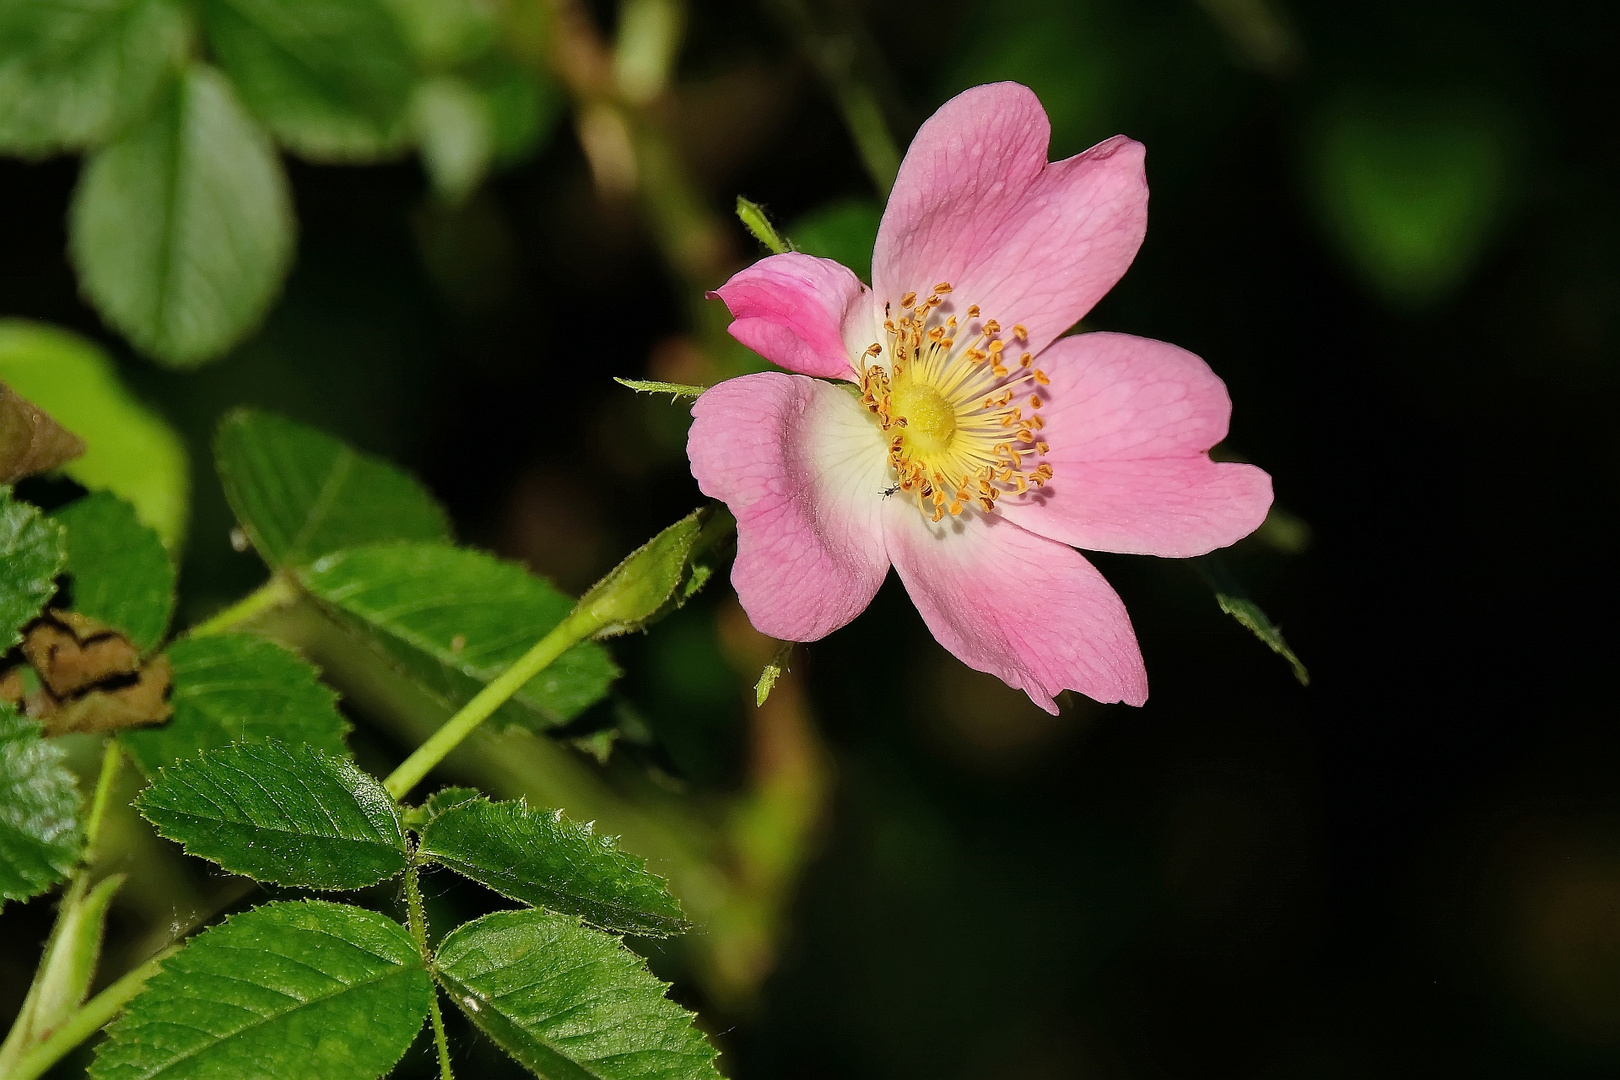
1412 190
130 450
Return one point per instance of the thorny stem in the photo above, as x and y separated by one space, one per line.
88 1019
417 918
575 628
279 591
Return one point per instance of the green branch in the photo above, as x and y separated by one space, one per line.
278 592
568 633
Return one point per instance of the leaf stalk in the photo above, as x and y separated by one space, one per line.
578 626
278 592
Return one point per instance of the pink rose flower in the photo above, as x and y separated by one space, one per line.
963 441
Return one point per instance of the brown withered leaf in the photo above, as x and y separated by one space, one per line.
133 703
30 441
12 687
72 653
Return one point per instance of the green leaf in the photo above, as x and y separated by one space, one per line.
657 577
453 619
1234 600
287 991
676 391
232 688
32 553
63 978
568 1002
541 858
72 75
758 224
299 493
330 78
182 230
39 810
844 232
130 451
456 133
120 572
282 813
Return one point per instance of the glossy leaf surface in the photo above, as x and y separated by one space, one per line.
281 813
287 991
299 493
542 858
568 1002
238 688
453 619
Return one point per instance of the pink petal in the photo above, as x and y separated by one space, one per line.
803 468
977 205
791 309
1129 421
1030 611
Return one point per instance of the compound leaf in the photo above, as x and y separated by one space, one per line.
569 1002
282 813
299 493
128 450
182 230
287 991
72 75
119 570
331 78
32 553
39 810
541 858
453 619
232 688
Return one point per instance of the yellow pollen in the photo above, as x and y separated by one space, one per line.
945 401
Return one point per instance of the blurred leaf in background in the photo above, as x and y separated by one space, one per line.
130 451
1411 190
72 76
331 79
182 230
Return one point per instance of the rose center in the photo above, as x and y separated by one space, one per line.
929 420
951 403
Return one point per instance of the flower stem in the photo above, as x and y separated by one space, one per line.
575 628
417 918
87 1020
279 591
111 758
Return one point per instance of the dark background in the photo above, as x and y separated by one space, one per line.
1394 230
